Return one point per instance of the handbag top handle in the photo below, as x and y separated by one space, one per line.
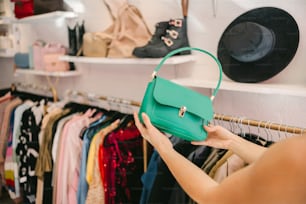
157 68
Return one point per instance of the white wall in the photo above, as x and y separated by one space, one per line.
204 30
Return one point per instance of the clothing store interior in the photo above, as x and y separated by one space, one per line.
70 68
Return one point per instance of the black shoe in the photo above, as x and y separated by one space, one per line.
175 37
160 29
72 40
81 32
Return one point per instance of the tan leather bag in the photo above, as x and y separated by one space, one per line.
95 44
129 29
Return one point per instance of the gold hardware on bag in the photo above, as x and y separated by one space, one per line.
182 111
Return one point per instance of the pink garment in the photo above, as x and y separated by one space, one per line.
5 126
69 158
73 187
57 193
5 97
57 160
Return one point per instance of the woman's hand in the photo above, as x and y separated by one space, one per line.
220 137
217 137
157 139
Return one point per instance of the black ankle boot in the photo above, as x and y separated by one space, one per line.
72 40
72 43
81 31
175 37
160 29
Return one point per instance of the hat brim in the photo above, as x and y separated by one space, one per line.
286 31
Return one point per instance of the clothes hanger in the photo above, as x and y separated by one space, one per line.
125 121
266 128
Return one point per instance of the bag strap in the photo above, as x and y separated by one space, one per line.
157 68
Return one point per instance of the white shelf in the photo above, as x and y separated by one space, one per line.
262 88
7 53
147 61
46 16
6 19
45 73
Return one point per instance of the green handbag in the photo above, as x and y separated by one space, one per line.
176 109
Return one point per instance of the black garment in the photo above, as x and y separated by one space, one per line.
164 183
4 91
27 149
198 156
256 139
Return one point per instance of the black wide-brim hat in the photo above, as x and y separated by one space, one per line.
258 44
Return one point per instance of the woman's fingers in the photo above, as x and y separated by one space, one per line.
199 142
138 124
143 128
209 128
146 120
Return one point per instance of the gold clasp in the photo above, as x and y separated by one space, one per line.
182 111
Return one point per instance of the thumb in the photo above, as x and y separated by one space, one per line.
146 120
209 128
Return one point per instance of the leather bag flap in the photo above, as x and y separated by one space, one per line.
174 95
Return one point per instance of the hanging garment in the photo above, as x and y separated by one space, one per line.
87 138
44 164
55 145
27 150
9 166
5 139
165 181
16 132
6 96
198 156
69 155
220 161
93 177
5 125
232 164
148 177
122 163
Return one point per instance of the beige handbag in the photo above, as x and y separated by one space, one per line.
129 29
95 44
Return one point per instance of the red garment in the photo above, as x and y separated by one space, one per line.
120 162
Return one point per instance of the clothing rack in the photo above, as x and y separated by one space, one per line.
30 86
261 124
110 99
228 118
239 120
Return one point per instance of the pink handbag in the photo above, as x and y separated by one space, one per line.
40 49
53 64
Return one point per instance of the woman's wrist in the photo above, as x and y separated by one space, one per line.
245 149
163 145
235 144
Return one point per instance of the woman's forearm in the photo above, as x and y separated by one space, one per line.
246 150
191 178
